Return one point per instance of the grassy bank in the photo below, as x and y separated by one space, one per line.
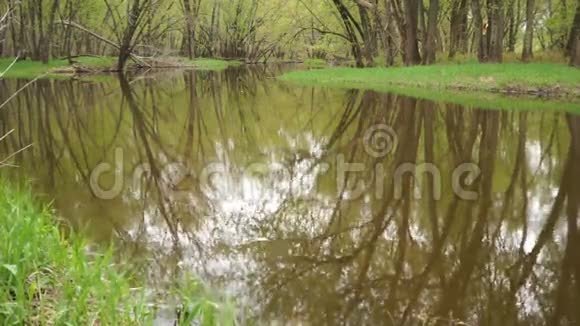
32 69
510 78
46 279
212 64
462 84
315 63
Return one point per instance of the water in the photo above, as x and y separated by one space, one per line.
299 202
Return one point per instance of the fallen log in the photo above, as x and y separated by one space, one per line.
102 38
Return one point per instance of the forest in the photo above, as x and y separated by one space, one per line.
363 33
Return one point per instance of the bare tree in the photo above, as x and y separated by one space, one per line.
368 33
529 34
351 27
190 17
431 44
458 27
4 23
479 40
412 56
129 26
46 40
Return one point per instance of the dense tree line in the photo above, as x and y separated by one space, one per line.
412 31
485 28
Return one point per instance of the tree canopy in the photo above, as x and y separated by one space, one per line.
369 32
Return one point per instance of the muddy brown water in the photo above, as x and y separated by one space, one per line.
314 206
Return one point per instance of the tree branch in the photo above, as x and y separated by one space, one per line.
5 16
323 32
365 4
102 38
9 66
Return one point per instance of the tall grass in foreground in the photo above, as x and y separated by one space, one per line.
46 279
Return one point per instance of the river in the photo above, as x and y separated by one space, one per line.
312 206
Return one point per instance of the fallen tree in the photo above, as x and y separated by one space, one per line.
133 56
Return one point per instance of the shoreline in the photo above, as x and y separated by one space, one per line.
459 84
543 80
88 65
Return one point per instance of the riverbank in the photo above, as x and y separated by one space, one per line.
46 279
86 65
548 80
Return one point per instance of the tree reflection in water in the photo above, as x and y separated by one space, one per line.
310 255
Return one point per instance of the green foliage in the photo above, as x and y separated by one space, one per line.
195 306
259 29
96 62
47 279
315 63
212 64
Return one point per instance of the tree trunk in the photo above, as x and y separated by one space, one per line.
512 26
47 39
68 31
458 27
479 38
189 37
575 58
5 23
37 27
412 56
527 53
134 15
575 39
396 12
496 30
368 36
349 25
389 33
429 56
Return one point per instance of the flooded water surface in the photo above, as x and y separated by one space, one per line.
314 206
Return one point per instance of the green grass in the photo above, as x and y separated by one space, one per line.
483 77
315 63
31 69
461 84
486 100
28 69
49 279
97 62
212 64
